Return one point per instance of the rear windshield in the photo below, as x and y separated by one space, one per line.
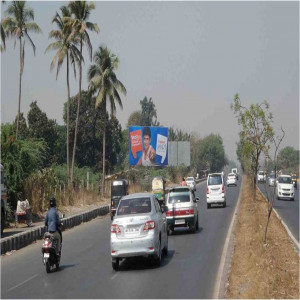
272 176
214 180
134 206
179 197
285 180
190 179
261 173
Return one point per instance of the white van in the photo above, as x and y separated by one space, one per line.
215 190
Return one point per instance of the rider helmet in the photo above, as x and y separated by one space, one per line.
52 201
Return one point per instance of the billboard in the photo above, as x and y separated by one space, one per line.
148 146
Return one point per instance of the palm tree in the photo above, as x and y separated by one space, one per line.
18 25
81 11
106 86
66 50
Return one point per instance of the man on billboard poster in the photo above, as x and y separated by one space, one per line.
148 155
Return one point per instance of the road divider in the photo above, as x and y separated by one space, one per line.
24 239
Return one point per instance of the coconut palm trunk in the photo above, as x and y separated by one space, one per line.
20 86
77 115
103 157
68 121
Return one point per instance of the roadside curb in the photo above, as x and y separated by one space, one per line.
221 284
24 239
294 241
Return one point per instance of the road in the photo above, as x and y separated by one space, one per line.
287 210
189 270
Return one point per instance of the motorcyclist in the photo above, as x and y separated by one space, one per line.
53 222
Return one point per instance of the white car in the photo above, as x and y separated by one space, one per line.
285 187
215 190
231 179
190 181
139 228
261 176
272 180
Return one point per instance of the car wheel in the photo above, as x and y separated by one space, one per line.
224 204
193 228
197 224
115 264
292 199
208 205
157 256
2 222
166 248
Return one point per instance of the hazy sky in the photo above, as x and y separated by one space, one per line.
190 57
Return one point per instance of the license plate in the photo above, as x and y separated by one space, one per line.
46 254
181 221
131 230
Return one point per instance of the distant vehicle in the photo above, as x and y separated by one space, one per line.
234 170
139 229
294 179
119 188
231 179
182 209
159 189
190 181
215 190
285 187
3 198
272 179
261 176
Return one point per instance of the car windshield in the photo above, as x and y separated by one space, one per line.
190 179
179 197
285 180
261 173
214 180
134 206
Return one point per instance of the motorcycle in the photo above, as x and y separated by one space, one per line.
50 252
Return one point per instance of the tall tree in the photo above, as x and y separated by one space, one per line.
18 25
79 24
106 86
149 116
66 47
256 133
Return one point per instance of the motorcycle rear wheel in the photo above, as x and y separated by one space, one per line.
48 267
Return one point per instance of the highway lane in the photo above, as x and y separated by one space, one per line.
287 210
189 271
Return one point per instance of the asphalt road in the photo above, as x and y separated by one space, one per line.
189 270
287 210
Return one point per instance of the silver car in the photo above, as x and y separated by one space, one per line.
271 180
139 228
190 181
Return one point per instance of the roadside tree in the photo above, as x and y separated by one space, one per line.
256 133
17 25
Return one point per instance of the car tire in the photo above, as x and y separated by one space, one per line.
224 204
193 228
208 205
2 222
166 248
157 256
292 199
197 224
115 264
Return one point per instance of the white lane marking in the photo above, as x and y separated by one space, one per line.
294 240
16 286
217 288
114 276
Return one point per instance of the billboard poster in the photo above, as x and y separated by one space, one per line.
148 146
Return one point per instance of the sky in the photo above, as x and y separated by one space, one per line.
190 57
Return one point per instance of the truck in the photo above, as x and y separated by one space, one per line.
119 188
3 198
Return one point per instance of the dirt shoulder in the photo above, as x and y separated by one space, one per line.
258 270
